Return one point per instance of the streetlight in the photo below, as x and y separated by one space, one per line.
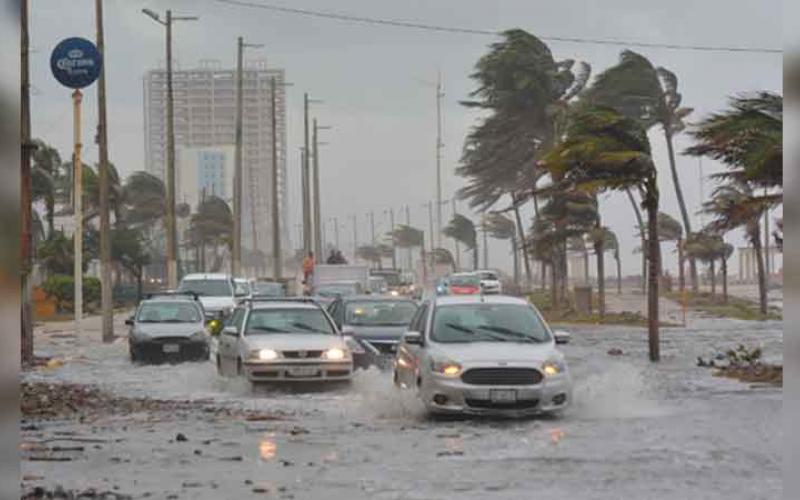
308 244
172 265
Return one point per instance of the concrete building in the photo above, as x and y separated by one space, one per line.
204 106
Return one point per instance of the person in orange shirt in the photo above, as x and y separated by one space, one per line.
308 268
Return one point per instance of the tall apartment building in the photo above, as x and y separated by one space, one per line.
204 114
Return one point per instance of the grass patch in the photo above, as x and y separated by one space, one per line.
566 313
714 305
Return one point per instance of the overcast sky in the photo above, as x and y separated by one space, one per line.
377 82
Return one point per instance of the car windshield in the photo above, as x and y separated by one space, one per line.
487 275
464 281
342 289
169 312
208 288
488 323
295 320
380 313
269 289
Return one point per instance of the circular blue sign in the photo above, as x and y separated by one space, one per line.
76 63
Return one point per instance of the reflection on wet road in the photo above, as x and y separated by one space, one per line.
636 430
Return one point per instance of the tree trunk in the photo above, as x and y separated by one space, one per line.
687 226
619 273
554 285
475 258
713 271
755 239
653 259
521 232
139 286
515 258
642 232
585 266
724 265
50 212
601 280
681 265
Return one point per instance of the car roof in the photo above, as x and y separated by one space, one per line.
176 300
284 304
478 299
206 276
376 298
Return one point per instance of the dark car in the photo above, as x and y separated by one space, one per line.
376 323
168 328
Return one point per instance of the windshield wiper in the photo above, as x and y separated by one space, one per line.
308 328
266 329
464 329
520 336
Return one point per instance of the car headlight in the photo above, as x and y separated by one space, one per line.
446 368
264 354
335 354
553 367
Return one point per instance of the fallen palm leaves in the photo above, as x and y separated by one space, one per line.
744 364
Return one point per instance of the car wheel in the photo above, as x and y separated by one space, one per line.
134 356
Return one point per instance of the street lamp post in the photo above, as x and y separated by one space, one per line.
172 264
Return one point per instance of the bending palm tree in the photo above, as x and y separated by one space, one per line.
503 228
462 229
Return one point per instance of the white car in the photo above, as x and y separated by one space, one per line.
283 340
216 292
488 354
490 281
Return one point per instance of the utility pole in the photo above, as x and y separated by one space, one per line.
304 182
354 218
318 244
236 261
172 244
26 250
486 243
277 265
391 225
371 215
430 222
106 304
335 221
439 146
458 249
410 256
767 252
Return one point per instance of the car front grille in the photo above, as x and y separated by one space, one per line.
522 404
170 340
502 376
302 354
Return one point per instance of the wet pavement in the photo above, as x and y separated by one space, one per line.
636 430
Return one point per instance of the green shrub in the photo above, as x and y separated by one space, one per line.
62 289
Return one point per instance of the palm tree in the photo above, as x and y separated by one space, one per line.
212 225
669 229
526 92
605 150
143 199
639 90
603 239
611 242
502 228
463 230
442 256
708 246
733 206
47 165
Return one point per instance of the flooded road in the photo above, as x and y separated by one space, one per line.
636 430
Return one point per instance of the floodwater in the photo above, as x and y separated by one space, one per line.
636 430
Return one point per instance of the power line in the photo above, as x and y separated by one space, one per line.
474 31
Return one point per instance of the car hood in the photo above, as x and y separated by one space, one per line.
391 332
217 303
168 329
294 341
497 352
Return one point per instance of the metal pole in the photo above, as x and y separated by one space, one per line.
172 265
767 263
394 251
372 225
307 247
410 256
236 260
304 181
486 243
430 222
354 217
105 225
458 249
439 95
78 210
26 245
318 236
277 265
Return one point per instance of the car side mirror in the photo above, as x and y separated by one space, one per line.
348 331
562 336
412 338
230 330
130 321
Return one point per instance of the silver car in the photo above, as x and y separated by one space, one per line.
283 340
489 354
168 327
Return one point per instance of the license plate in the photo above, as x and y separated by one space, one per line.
303 371
503 396
171 348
